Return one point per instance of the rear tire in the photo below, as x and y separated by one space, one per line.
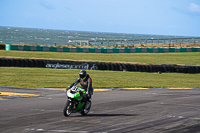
68 108
86 109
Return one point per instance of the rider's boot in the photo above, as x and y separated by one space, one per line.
87 101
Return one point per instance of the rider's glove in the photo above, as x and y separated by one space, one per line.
68 88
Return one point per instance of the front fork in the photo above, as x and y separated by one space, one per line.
73 105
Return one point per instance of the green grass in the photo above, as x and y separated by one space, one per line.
190 58
61 78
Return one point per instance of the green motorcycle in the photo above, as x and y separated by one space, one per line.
76 102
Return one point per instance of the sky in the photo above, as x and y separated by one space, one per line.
157 17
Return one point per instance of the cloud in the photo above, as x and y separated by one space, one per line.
194 7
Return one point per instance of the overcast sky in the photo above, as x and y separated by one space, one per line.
159 17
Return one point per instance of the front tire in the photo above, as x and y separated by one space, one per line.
87 107
68 108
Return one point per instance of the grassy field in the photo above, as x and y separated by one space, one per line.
191 58
61 78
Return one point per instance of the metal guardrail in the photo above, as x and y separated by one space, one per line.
170 42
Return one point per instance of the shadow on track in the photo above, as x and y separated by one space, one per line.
109 115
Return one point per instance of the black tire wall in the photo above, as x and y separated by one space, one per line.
2 47
5 62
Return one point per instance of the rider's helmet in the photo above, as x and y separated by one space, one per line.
83 74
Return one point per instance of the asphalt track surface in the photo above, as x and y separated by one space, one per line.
116 111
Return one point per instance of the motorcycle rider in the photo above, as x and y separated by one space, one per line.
85 82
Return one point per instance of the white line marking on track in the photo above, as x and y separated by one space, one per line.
59 131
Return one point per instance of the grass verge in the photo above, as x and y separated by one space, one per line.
190 58
61 78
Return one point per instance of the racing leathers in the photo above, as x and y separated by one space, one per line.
86 84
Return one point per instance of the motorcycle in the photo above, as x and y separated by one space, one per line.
76 102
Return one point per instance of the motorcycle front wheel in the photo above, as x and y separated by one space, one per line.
68 108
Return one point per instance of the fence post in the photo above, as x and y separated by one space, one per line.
164 41
180 44
146 42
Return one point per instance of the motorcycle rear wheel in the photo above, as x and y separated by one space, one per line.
68 109
86 109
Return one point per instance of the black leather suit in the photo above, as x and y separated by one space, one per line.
85 84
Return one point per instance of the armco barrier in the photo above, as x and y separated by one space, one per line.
60 64
100 50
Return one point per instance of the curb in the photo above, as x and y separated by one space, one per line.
19 94
112 89
155 88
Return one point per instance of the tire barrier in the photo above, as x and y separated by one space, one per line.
2 47
100 50
60 64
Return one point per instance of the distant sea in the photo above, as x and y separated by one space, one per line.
62 37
